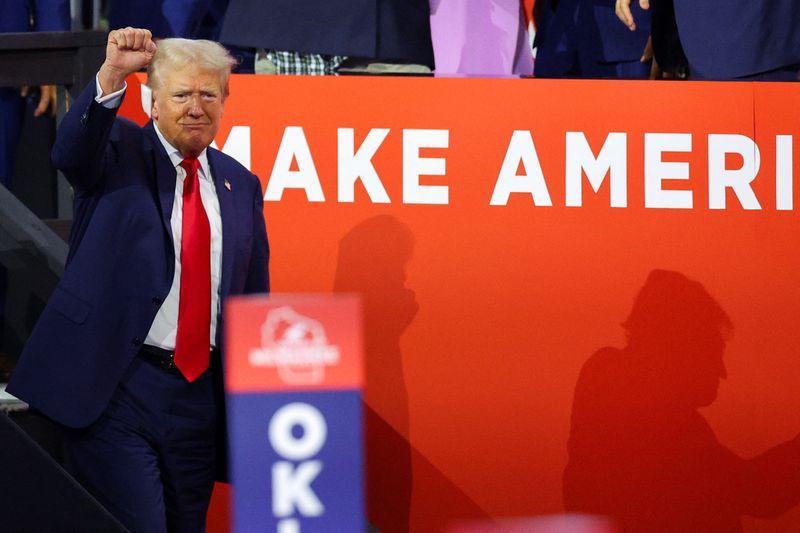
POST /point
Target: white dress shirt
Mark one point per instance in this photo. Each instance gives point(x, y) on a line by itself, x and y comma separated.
point(164, 329)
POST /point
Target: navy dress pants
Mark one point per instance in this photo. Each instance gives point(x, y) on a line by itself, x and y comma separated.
point(11, 109)
point(151, 457)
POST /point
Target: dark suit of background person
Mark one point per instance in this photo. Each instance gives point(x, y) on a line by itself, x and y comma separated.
point(729, 39)
point(581, 39)
point(396, 30)
point(85, 365)
point(15, 17)
point(738, 39)
point(189, 19)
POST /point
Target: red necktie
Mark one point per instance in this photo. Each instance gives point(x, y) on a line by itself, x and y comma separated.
point(192, 344)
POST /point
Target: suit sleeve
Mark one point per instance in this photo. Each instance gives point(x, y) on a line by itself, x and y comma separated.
point(258, 271)
point(81, 141)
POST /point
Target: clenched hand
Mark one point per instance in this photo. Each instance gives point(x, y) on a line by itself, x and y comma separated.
point(127, 51)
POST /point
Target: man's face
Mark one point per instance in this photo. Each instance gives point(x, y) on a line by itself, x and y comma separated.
point(188, 107)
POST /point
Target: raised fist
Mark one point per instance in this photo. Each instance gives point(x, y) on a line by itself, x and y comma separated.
point(128, 50)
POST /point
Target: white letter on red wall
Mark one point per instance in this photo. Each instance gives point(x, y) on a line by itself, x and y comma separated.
point(294, 146)
point(721, 178)
point(415, 166)
point(784, 192)
point(656, 170)
point(355, 164)
point(521, 149)
point(612, 160)
point(237, 145)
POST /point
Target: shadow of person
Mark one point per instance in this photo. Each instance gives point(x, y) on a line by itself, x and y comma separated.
point(639, 450)
point(372, 262)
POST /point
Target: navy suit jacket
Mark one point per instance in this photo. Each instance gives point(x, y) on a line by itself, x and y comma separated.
point(377, 29)
point(121, 261)
point(725, 39)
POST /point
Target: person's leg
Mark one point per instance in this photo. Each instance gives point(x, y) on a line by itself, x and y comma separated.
point(11, 107)
point(151, 457)
point(188, 454)
point(632, 70)
point(556, 45)
point(116, 461)
point(620, 70)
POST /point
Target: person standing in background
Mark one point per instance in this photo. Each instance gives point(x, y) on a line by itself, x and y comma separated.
point(18, 16)
point(732, 40)
point(581, 39)
point(330, 36)
point(481, 38)
point(187, 19)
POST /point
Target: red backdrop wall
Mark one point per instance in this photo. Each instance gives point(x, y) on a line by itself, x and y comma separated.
point(479, 318)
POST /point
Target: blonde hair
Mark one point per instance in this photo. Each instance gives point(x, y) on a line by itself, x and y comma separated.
point(177, 53)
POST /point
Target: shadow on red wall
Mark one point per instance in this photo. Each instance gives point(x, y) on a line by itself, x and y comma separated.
point(372, 262)
point(639, 450)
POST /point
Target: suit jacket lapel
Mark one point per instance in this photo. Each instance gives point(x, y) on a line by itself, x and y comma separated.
point(165, 178)
point(227, 215)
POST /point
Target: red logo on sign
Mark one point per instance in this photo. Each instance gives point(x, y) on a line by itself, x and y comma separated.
point(290, 342)
point(296, 346)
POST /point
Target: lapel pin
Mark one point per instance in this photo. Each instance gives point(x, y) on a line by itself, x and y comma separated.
point(227, 184)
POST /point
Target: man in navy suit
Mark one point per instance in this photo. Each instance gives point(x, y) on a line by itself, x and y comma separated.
point(734, 40)
point(582, 39)
point(126, 353)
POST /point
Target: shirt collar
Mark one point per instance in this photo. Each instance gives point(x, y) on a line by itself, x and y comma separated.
point(175, 155)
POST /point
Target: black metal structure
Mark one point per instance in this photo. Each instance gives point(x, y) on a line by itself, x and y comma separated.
point(32, 259)
point(38, 495)
point(70, 59)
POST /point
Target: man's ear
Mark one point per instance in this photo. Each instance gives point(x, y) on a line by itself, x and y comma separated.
point(153, 107)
